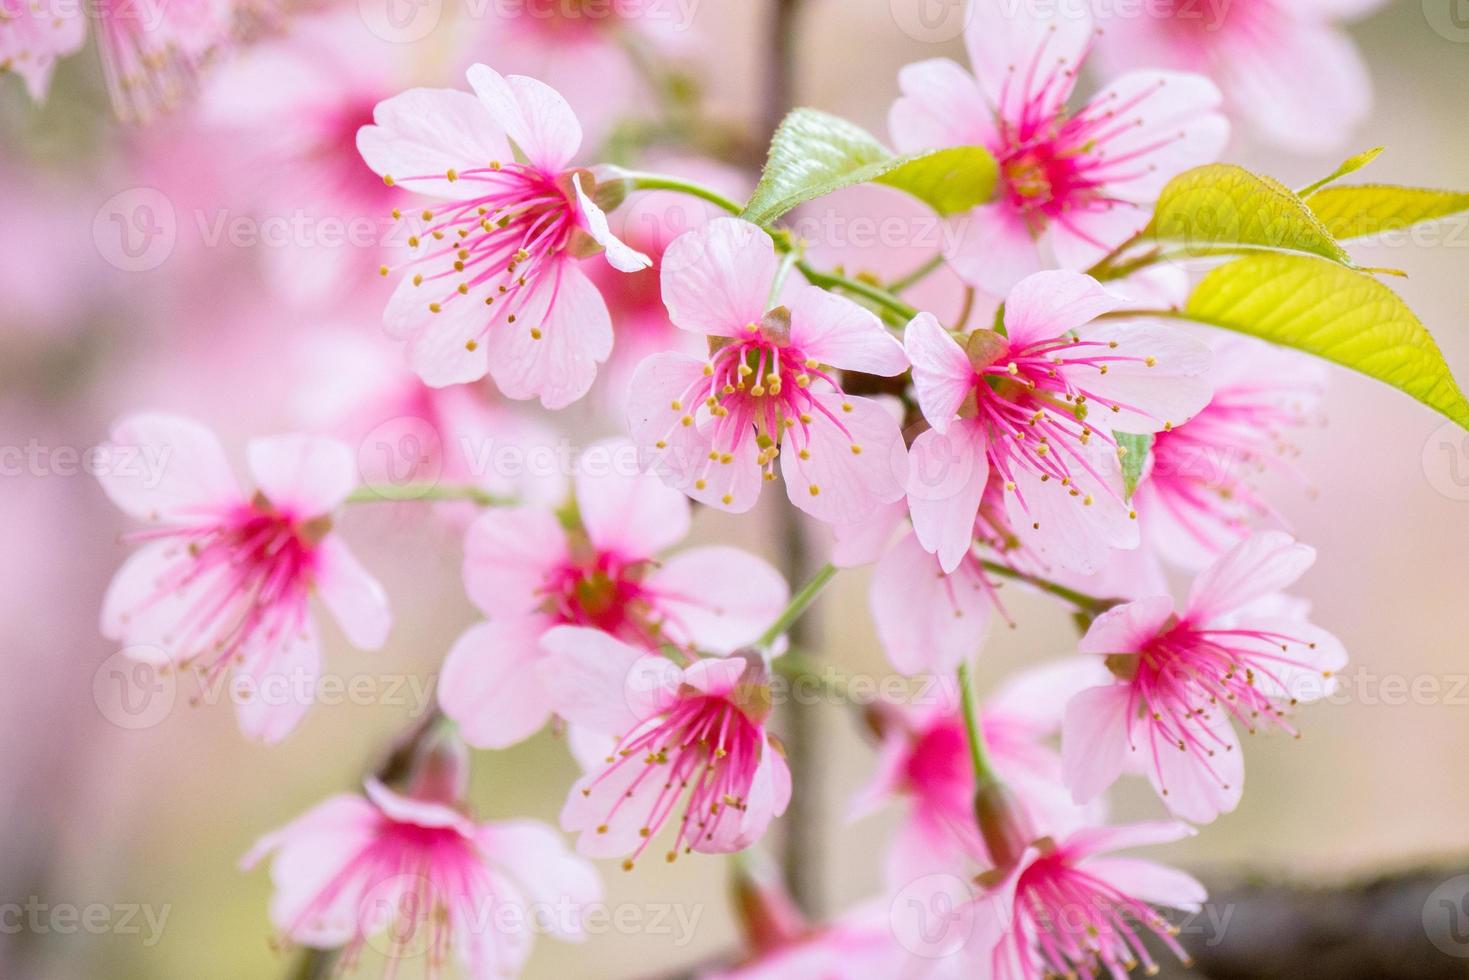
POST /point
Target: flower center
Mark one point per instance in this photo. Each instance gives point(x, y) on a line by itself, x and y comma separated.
point(607, 594)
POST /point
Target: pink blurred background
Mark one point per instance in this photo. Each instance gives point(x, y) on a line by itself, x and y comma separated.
point(148, 804)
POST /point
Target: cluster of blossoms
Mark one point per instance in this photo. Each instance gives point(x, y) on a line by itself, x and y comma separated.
point(950, 456)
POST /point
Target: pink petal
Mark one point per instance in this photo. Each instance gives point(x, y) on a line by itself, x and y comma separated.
point(535, 855)
point(1165, 393)
point(836, 482)
point(717, 598)
point(1196, 787)
point(1315, 658)
point(278, 678)
point(1169, 122)
point(992, 248)
point(1048, 304)
point(1124, 837)
point(1304, 85)
point(357, 600)
point(836, 331)
point(1094, 746)
point(1036, 699)
point(532, 114)
point(1081, 237)
point(489, 684)
point(1127, 628)
point(508, 552)
point(714, 676)
point(768, 797)
point(306, 476)
point(601, 683)
point(1064, 529)
point(941, 106)
point(560, 336)
point(426, 132)
point(942, 374)
point(716, 279)
point(679, 453)
point(620, 256)
point(867, 540)
point(634, 515)
point(1263, 563)
point(946, 480)
point(1026, 53)
point(404, 809)
point(928, 622)
point(158, 465)
point(438, 348)
point(134, 613)
point(1150, 882)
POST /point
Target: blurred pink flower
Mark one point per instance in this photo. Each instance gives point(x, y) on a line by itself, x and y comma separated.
point(1072, 186)
point(35, 34)
point(1285, 66)
point(153, 50)
point(224, 579)
point(527, 574)
point(1068, 909)
point(495, 286)
point(714, 426)
point(924, 762)
point(694, 734)
point(1026, 407)
point(1196, 500)
point(857, 945)
point(416, 871)
point(1238, 652)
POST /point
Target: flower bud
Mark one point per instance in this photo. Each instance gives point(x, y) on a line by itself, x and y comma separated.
point(1003, 823)
point(440, 769)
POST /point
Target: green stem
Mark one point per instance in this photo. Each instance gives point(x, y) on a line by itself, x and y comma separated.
point(878, 295)
point(799, 603)
point(984, 770)
point(414, 492)
point(917, 275)
point(661, 182)
point(1086, 603)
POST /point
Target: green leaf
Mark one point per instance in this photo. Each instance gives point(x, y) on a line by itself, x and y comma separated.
point(1374, 209)
point(1136, 456)
point(1349, 166)
point(1346, 317)
point(1222, 208)
point(815, 153)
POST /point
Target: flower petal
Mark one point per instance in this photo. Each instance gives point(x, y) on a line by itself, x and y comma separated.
point(622, 257)
point(508, 553)
point(946, 480)
point(1094, 746)
point(836, 331)
point(1048, 304)
point(941, 106)
point(357, 600)
point(532, 113)
point(853, 460)
point(563, 331)
point(927, 621)
point(1127, 628)
point(634, 515)
point(717, 598)
point(489, 684)
point(1261, 564)
point(942, 374)
point(601, 683)
point(716, 279)
point(425, 133)
point(305, 475)
point(158, 465)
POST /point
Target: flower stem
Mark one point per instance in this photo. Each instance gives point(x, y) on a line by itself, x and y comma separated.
point(413, 492)
point(984, 770)
point(917, 275)
point(662, 182)
point(1081, 600)
point(799, 603)
point(878, 295)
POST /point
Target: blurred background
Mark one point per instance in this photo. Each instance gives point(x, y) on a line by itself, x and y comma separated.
point(221, 262)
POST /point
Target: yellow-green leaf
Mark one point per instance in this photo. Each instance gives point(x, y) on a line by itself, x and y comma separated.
point(815, 153)
point(1343, 316)
point(1349, 166)
point(1222, 208)
point(1373, 209)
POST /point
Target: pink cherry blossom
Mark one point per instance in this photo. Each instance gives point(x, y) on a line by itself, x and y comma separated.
point(493, 284)
point(36, 33)
point(1285, 66)
point(224, 577)
point(1072, 186)
point(1036, 407)
point(528, 575)
point(713, 427)
point(1197, 499)
point(924, 761)
point(690, 738)
point(153, 50)
point(413, 875)
point(1071, 909)
point(1236, 653)
point(858, 944)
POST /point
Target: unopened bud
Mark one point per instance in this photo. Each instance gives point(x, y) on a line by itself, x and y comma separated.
point(440, 769)
point(1003, 824)
point(767, 915)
